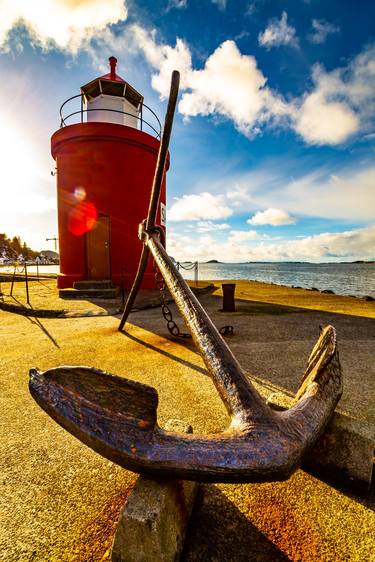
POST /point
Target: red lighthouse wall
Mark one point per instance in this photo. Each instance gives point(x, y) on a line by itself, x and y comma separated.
point(106, 170)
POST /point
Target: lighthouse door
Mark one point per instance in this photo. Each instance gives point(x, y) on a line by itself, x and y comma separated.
point(97, 246)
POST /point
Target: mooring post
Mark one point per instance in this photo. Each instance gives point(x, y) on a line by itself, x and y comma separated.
point(228, 297)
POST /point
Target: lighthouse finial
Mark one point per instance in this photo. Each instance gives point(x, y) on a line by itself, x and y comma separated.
point(112, 64)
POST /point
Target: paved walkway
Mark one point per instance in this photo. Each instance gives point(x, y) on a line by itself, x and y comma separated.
point(60, 501)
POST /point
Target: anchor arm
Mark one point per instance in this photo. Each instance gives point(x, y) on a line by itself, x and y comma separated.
point(118, 418)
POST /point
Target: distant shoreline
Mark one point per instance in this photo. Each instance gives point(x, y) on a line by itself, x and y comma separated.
point(296, 297)
point(351, 278)
point(280, 262)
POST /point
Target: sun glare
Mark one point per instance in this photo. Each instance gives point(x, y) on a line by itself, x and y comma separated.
point(82, 218)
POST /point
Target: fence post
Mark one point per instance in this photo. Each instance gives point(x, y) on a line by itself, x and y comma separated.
point(27, 284)
point(14, 274)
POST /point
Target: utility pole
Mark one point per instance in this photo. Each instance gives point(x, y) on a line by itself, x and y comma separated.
point(55, 239)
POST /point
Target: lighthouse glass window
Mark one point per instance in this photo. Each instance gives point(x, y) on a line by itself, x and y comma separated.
point(112, 109)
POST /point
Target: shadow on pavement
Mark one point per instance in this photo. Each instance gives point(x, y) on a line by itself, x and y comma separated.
point(220, 532)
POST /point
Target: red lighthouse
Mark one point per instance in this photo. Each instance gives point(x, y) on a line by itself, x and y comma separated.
point(105, 165)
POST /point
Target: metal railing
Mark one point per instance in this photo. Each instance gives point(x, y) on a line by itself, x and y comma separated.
point(189, 267)
point(155, 128)
point(21, 270)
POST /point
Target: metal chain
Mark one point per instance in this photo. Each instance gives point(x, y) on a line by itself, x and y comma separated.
point(173, 329)
point(227, 330)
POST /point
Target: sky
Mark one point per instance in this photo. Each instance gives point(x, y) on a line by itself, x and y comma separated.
point(273, 145)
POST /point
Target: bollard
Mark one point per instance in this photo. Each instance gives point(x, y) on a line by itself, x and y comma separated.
point(228, 297)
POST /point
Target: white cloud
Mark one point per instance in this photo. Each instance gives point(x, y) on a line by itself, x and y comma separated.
point(222, 4)
point(197, 207)
point(277, 33)
point(239, 195)
point(210, 93)
point(321, 30)
point(348, 245)
point(65, 24)
point(178, 4)
point(353, 84)
point(238, 236)
point(28, 194)
point(336, 108)
point(349, 194)
point(341, 103)
point(351, 244)
point(275, 217)
point(253, 7)
point(247, 102)
point(320, 121)
point(345, 193)
point(163, 58)
point(209, 226)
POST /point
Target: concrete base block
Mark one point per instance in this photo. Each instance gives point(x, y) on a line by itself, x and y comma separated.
point(344, 452)
point(153, 524)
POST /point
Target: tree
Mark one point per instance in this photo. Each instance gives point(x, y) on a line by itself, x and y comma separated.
point(16, 245)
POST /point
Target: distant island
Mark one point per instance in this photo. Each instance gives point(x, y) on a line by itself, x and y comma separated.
point(213, 261)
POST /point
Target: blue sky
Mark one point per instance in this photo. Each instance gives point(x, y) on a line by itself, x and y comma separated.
point(273, 144)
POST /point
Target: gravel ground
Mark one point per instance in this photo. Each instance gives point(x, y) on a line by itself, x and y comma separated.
point(60, 501)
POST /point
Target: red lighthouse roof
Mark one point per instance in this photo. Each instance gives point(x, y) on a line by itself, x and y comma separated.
point(112, 84)
point(112, 74)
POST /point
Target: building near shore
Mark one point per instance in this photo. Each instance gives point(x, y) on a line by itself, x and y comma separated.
point(105, 152)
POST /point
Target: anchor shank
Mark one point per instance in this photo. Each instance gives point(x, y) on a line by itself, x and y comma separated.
point(238, 394)
point(163, 151)
point(155, 193)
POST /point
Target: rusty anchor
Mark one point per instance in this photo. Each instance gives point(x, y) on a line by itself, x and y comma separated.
point(118, 417)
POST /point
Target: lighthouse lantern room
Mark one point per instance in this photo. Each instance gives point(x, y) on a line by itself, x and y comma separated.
point(105, 165)
point(111, 99)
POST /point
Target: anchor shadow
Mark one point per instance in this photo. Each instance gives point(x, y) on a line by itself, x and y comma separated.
point(219, 531)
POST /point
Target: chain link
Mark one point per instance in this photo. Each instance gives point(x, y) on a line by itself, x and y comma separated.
point(173, 329)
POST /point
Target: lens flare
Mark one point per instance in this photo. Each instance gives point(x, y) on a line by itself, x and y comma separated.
point(79, 193)
point(82, 218)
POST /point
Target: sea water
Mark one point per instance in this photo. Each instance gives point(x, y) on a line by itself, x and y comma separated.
point(343, 278)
